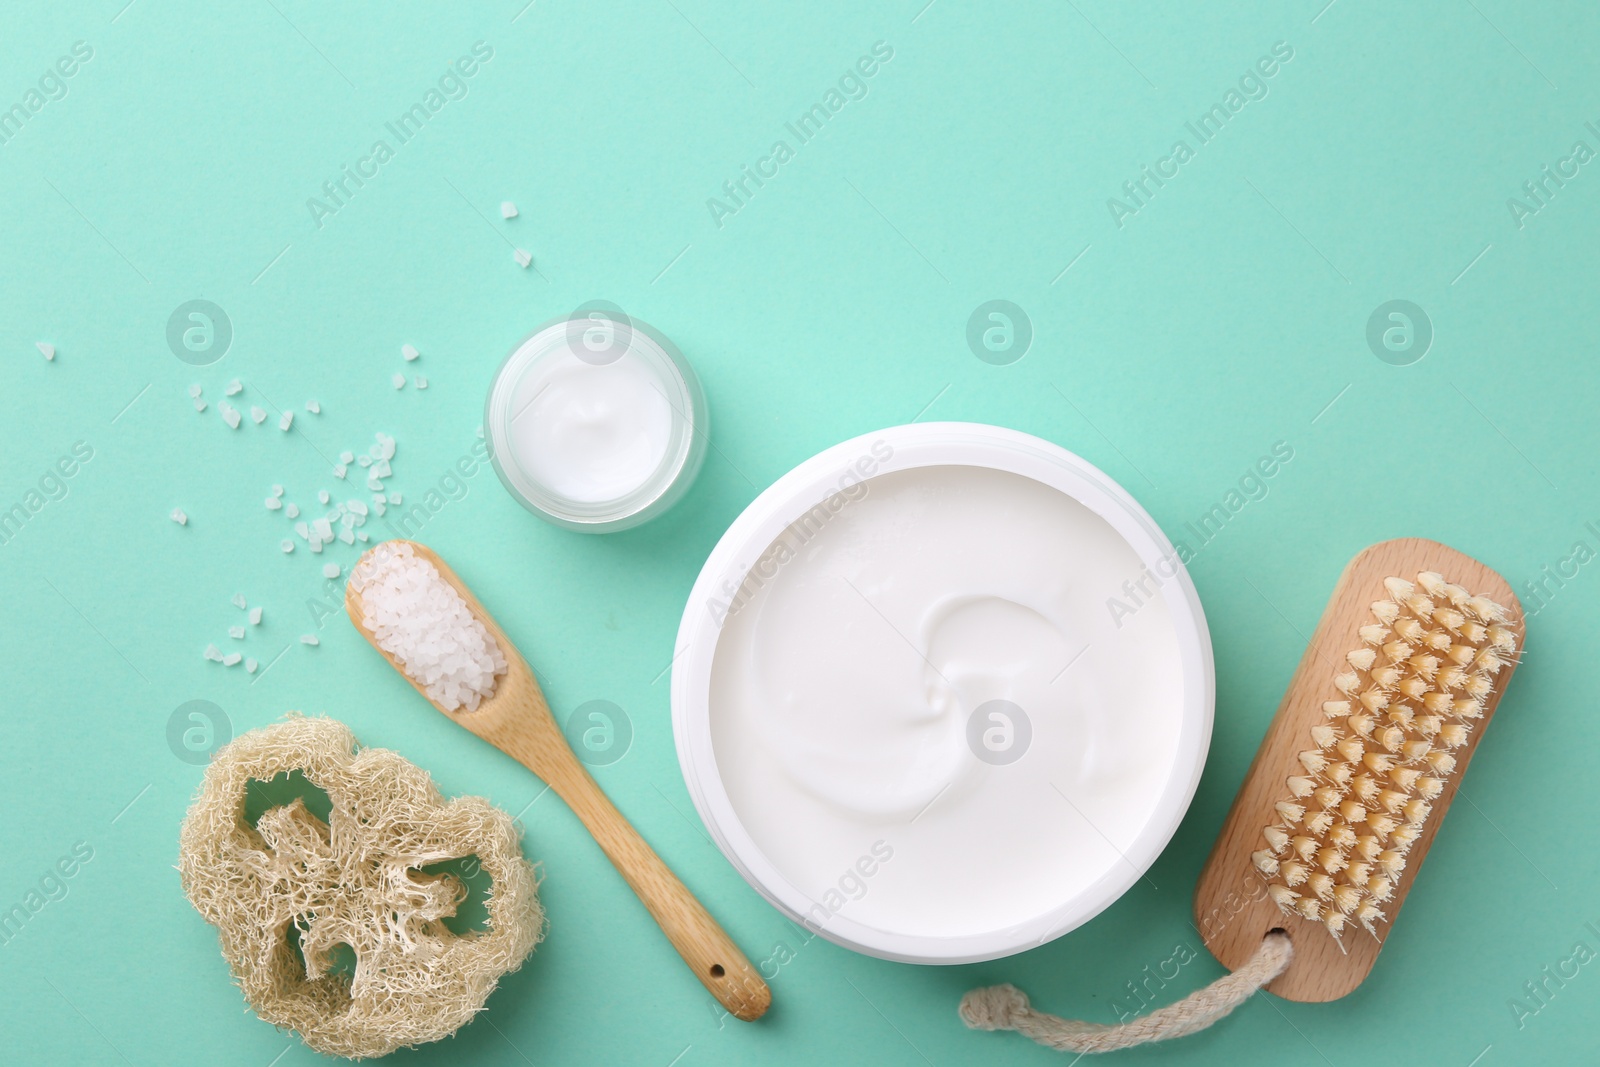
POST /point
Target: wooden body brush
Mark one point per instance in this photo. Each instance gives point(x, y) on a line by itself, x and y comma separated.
point(1344, 798)
point(515, 719)
point(1359, 767)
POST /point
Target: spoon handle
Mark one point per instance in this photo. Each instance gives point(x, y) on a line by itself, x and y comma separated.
point(703, 944)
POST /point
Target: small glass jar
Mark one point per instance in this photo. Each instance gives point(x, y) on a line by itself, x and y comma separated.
point(596, 422)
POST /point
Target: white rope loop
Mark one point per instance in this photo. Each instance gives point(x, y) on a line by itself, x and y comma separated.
point(1005, 1007)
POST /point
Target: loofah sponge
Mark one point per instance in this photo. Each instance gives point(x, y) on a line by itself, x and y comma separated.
point(356, 880)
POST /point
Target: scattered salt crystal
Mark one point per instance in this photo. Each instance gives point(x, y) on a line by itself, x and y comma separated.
point(508, 210)
point(330, 570)
point(324, 529)
point(286, 420)
point(302, 529)
point(523, 259)
point(347, 457)
point(421, 382)
point(292, 510)
point(340, 471)
point(199, 405)
point(236, 632)
point(365, 460)
point(346, 536)
point(309, 639)
point(394, 498)
point(286, 544)
point(381, 468)
point(315, 546)
point(357, 507)
point(409, 352)
point(258, 414)
point(361, 535)
point(231, 659)
point(399, 380)
point(373, 483)
point(422, 621)
point(229, 414)
point(179, 517)
point(214, 653)
point(273, 503)
point(48, 351)
point(194, 390)
point(251, 665)
point(377, 505)
point(384, 449)
point(277, 490)
point(322, 495)
point(239, 601)
point(233, 388)
point(255, 616)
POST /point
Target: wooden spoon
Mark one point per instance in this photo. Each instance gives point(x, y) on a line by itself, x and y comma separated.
point(516, 720)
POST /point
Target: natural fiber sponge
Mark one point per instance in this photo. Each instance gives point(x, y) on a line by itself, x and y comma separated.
point(356, 880)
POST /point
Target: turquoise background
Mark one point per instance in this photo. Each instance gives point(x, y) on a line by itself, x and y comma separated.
point(1227, 314)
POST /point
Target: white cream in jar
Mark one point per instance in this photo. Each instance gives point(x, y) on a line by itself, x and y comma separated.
point(596, 422)
point(863, 709)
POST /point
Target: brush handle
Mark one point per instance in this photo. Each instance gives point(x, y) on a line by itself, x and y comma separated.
point(708, 950)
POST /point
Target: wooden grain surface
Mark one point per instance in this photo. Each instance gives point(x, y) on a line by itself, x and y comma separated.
point(1232, 910)
point(517, 720)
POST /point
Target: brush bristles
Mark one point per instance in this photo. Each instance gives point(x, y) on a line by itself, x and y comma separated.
point(1360, 798)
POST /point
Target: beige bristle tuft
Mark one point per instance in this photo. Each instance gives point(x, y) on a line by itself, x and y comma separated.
point(1294, 873)
point(1375, 700)
point(1364, 788)
point(1339, 774)
point(1429, 788)
point(1438, 640)
point(1320, 823)
point(1391, 738)
point(1313, 762)
point(1438, 703)
point(1300, 787)
point(1331, 860)
point(1304, 847)
point(1346, 897)
point(1485, 609)
point(1479, 687)
point(1265, 862)
point(1429, 726)
point(1362, 724)
point(1402, 715)
point(1359, 873)
point(1391, 863)
point(1399, 588)
point(1432, 583)
point(1441, 762)
point(1277, 839)
point(1467, 708)
point(1387, 677)
point(1461, 655)
point(1309, 908)
point(1290, 812)
point(1405, 777)
point(1410, 629)
point(1392, 801)
point(1333, 709)
point(1412, 751)
point(1452, 678)
point(1454, 735)
point(1502, 638)
point(1425, 666)
point(1398, 651)
point(1328, 796)
point(1414, 688)
point(1334, 920)
point(1343, 838)
point(1282, 896)
point(1347, 683)
point(1382, 825)
point(1381, 889)
point(1369, 915)
point(1404, 837)
point(1321, 885)
point(1377, 762)
point(1373, 633)
point(1367, 848)
point(1420, 606)
point(1323, 735)
point(1385, 611)
point(1488, 661)
point(1362, 659)
point(1353, 812)
point(1474, 632)
point(1450, 619)
point(1351, 750)
point(1417, 811)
